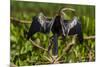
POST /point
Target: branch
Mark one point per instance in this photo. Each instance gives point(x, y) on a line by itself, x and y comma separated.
point(38, 46)
point(19, 21)
point(49, 59)
point(89, 37)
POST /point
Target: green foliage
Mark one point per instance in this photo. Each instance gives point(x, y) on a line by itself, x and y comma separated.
point(22, 51)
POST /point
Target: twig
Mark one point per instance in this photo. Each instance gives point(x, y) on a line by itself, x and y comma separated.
point(19, 21)
point(38, 46)
point(49, 59)
point(89, 37)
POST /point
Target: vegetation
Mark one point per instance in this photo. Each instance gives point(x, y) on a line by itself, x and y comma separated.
point(27, 52)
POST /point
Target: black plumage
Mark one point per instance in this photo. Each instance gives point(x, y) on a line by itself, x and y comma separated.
point(64, 28)
point(40, 24)
point(35, 27)
point(74, 27)
point(58, 26)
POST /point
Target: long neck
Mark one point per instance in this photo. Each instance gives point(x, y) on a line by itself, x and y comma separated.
point(57, 25)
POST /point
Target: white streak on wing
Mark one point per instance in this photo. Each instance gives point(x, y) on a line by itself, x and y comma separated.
point(41, 19)
point(73, 23)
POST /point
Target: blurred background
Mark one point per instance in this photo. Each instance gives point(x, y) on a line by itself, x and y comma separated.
point(23, 53)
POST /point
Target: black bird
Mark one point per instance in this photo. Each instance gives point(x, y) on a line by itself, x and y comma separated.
point(64, 28)
point(67, 27)
point(58, 26)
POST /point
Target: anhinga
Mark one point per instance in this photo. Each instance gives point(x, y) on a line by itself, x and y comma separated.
point(58, 26)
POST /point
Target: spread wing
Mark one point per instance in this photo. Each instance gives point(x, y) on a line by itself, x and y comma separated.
point(35, 27)
point(74, 27)
point(40, 23)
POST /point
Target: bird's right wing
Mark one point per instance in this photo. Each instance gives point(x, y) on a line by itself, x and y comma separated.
point(35, 27)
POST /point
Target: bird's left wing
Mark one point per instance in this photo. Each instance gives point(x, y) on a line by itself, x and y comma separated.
point(74, 27)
